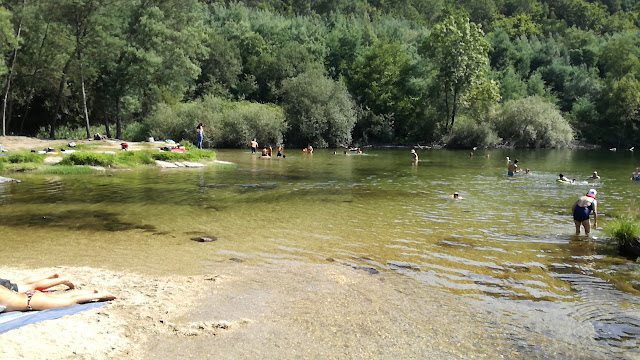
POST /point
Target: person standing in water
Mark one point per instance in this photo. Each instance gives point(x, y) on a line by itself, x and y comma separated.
point(512, 169)
point(254, 146)
point(279, 150)
point(199, 135)
point(415, 155)
point(582, 209)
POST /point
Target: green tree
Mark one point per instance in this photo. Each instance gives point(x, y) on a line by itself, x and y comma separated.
point(459, 53)
point(319, 110)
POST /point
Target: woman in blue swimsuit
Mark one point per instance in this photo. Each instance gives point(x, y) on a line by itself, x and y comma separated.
point(582, 209)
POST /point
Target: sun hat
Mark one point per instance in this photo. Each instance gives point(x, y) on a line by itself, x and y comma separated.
point(593, 193)
point(412, 150)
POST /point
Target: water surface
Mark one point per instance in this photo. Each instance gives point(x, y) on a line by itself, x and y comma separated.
point(507, 246)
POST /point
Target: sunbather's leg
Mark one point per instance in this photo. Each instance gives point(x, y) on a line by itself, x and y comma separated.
point(43, 283)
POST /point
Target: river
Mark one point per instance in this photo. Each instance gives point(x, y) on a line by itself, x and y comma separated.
point(507, 247)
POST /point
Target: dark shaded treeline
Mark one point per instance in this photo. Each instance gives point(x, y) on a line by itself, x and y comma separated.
point(327, 72)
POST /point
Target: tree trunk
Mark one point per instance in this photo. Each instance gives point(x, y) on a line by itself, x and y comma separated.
point(63, 80)
point(118, 120)
point(84, 97)
point(446, 104)
point(9, 75)
point(454, 108)
point(33, 79)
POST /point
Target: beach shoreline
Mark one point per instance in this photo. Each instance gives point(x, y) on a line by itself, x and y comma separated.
point(145, 308)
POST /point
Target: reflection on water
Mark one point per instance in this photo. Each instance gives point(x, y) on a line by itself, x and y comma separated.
point(507, 244)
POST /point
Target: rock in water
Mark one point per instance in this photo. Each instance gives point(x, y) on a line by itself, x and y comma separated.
point(205, 238)
point(4, 180)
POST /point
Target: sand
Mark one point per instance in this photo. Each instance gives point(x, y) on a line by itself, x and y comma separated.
point(15, 143)
point(144, 309)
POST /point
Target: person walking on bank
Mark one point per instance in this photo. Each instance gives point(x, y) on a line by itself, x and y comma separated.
point(199, 135)
point(582, 209)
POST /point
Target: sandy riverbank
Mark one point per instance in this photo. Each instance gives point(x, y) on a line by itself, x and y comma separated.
point(143, 310)
point(16, 143)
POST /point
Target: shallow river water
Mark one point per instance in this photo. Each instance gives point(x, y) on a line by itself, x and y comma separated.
point(507, 247)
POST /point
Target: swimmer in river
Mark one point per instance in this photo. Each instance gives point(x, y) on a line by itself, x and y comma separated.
point(595, 176)
point(561, 177)
point(636, 174)
point(527, 172)
point(512, 169)
point(415, 155)
point(279, 150)
point(254, 146)
point(456, 195)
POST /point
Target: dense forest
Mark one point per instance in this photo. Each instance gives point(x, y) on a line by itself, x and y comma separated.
point(523, 73)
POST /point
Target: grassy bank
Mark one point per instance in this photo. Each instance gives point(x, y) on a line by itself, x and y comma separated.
point(29, 161)
point(625, 230)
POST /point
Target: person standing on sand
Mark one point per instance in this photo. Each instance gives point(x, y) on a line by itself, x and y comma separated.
point(254, 146)
point(512, 169)
point(582, 209)
point(199, 135)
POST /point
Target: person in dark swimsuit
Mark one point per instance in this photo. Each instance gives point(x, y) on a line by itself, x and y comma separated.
point(582, 209)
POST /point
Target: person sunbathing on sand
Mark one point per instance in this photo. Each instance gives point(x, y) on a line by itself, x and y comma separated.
point(36, 300)
point(36, 283)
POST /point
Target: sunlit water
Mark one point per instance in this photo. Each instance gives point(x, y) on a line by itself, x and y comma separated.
point(508, 244)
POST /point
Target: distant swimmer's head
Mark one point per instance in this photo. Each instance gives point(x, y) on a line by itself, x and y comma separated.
point(515, 161)
point(595, 173)
point(560, 175)
point(456, 195)
point(592, 193)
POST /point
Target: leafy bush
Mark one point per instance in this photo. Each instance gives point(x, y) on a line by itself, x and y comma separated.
point(624, 229)
point(532, 122)
point(468, 133)
point(319, 110)
point(227, 124)
point(135, 131)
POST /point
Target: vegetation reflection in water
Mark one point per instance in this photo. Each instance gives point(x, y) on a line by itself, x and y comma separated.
point(508, 239)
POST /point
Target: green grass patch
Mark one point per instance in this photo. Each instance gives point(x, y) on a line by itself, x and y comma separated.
point(67, 170)
point(23, 157)
point(134, 158)
point(624, 229)
point(89, 158)
point(191, 155)
point(22, 167)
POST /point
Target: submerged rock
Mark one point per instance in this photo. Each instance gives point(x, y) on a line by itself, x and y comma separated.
point(4, 180)
point(631, 248)
point(205, 238)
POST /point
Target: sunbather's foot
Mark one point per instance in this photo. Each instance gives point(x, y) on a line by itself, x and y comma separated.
point(105, 296)
point(69, 284)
